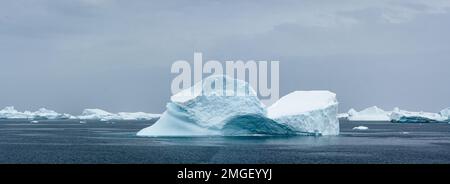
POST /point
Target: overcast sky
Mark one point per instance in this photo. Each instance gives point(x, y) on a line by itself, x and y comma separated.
point(116, 54)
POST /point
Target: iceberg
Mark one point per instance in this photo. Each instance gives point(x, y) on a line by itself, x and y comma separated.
point(97, 114)
point(44, 113)
point(204, 110)
point(88, 114)
point(223, 106)
point(361, 128)
point(342, 116)
point(307, 111)
point(102, 115)
point(398, 116)
point(369, 114)
point(402, 116)
point(137, 116)
point(11, 113)
point(41, 114)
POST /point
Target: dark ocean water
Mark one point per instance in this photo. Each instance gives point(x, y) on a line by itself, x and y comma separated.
point(115, 142)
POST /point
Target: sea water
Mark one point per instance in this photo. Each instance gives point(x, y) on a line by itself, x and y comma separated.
point(70, 141)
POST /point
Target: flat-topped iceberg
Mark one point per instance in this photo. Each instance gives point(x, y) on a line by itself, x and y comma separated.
point(222, 106)
point(402, 116)
point(369, 114)
point(307, 111)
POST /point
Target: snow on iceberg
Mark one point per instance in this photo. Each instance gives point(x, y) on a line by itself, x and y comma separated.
point(307, 111)
point(402, 116)
point(369, 114)
point(232, 108)
point(98, 114)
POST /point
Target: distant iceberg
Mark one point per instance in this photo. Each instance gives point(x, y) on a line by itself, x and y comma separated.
point(98, 114)
point(397, 115)
point(360, 128)
point(11, 113)
point(342, 116)
point(369, 114)
point(88, 114)
point(224, 110)
point(402, 116)
point(42, 114)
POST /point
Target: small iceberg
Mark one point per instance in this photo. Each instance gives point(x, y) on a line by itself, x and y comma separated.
point(342, 116)
point(361, 128)
point(369, 114)
point(402, 116)
point(222, 106)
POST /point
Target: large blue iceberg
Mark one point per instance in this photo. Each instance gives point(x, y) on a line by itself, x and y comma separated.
point(223, 106)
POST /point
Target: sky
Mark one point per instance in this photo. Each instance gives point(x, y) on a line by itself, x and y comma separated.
point(116, 54)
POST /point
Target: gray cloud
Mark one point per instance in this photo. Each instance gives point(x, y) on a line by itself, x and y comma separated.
point(116, 55)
